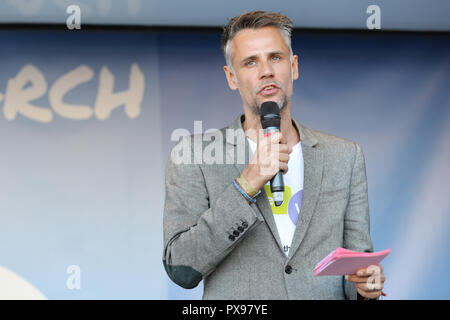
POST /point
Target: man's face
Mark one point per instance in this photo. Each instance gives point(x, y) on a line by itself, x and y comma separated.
point(263, 70)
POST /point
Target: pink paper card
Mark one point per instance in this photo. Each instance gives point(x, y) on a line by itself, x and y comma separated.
point(342, 262)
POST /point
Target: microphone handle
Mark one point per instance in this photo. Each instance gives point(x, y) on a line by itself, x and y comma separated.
point(277, 181)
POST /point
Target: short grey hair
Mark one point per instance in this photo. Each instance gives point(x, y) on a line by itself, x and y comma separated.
point(255, 20)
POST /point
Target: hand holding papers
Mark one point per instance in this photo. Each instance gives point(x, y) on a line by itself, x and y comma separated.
point(343, 262)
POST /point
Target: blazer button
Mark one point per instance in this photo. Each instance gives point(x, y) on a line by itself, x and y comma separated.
point(240, 229)
point(231, 237)
point(288, 269)
point(236, 233)
point(245, 224)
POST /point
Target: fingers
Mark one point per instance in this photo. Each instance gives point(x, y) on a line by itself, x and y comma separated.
point(356, 279)
point(272, 138)
point(283, 157)
point(370, 270)
point(376, 268)
point(277, 137)
point(369, 290)
point(282, 139)
point(284, 167)
point(370, 286)
point(368, 281)
point(271, 146)
point(272, 154)
point(278, 143)
point(369, 294)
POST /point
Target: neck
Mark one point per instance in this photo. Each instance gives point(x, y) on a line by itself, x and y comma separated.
point(252, 125)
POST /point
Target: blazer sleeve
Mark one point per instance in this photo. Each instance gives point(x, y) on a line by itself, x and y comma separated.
point(198, 235)
point(357, 220)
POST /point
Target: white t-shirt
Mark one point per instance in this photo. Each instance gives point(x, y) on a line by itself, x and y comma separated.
point(286, 215)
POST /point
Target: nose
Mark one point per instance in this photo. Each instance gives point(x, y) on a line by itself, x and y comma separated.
point(265, 70)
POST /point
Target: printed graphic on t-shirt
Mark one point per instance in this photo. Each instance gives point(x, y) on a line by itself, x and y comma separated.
point(286, 216)
point(291, 204)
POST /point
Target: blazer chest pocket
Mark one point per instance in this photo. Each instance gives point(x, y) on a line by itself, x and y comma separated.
point(327, 196)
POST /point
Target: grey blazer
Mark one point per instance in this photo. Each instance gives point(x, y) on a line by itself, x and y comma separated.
point(212, 234)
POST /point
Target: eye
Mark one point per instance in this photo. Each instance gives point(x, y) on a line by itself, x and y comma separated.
point(276, 58)
point(250, 63)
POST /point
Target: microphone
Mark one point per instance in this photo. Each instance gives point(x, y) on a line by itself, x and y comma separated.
point(270, 121)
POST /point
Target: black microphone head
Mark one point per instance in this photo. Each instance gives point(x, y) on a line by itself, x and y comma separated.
point(270, 115)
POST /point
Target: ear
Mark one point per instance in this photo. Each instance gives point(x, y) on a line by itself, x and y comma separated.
point(232, 82)
point(294, 67)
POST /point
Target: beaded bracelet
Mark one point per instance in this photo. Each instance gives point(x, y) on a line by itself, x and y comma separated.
point(243, 192)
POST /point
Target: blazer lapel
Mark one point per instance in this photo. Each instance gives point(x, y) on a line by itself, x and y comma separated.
point(313, 171)
point(262, 201)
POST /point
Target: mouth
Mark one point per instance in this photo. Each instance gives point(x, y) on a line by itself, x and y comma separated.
point(269, 89)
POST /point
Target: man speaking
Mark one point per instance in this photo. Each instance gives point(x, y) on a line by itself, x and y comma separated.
point(245, 229)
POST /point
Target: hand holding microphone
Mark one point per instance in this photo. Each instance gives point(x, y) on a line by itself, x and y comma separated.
point(271, 156)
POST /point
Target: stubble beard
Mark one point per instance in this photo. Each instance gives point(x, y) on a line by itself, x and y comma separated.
point(255, 106)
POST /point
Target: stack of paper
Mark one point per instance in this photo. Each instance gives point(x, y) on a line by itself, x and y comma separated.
point(342, 262)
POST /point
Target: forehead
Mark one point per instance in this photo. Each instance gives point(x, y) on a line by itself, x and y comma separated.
point(258, 41)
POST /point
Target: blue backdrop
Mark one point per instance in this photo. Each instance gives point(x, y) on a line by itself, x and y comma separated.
point(89, 192)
